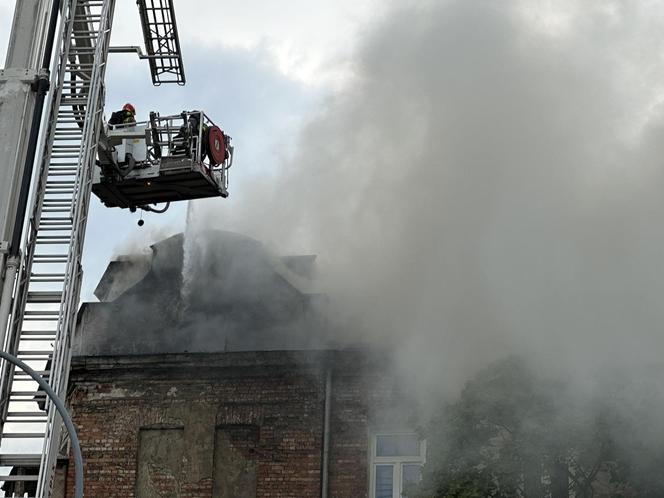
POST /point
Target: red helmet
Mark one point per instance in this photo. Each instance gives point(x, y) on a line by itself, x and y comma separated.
point(129, 107)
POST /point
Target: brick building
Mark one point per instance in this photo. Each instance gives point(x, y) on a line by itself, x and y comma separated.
point(234, 388)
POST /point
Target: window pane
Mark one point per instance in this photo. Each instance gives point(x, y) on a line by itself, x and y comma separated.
point(411, 475)
point(384, 483)
point(397, 445)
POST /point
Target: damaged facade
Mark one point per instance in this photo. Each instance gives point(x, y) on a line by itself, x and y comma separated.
point(223, 381)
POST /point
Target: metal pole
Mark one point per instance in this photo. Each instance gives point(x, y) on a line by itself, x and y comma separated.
point(62, 410)
point(324, 484)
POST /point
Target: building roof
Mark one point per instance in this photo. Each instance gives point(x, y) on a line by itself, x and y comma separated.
point(213, 291)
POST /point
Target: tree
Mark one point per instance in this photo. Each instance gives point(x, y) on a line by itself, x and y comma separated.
point(513, 433)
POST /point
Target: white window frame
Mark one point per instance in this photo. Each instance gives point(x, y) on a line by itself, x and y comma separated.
point(397, 462)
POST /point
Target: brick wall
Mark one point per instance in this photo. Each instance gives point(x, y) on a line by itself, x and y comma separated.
point(221, 425)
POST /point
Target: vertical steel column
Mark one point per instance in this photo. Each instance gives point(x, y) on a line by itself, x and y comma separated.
point(325, 460)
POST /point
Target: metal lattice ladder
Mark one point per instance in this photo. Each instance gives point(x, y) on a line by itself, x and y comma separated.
point(47, 294)
point(162, 44)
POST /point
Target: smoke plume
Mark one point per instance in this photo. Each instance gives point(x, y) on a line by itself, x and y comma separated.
point(489, 183)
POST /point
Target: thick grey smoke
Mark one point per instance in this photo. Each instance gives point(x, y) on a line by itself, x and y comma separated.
point(489, 183)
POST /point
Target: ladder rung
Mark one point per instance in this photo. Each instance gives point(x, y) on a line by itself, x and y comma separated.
point(24, 414)
point(70, 136)
point(18, 478)
point(77, 89)
point(21, 435)
point(52, 237)
point(44, 373)
point(49, 333)
point(53, 198)
point(27, 393)
point(54, 228)
point(35, 339)
point(73, 101)
point(20, 460)
point(54, 223)
point(44, 296)
point(27, 421)
point(56, 210)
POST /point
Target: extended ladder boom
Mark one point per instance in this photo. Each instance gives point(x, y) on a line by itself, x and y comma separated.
point(47, 295)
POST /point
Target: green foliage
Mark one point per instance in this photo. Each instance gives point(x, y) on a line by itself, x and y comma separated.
point(512, 433)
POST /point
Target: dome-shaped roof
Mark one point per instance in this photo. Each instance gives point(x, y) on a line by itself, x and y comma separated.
point(206, 291)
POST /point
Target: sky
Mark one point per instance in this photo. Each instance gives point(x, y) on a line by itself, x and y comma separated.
point(258, 69)
point(477, 178)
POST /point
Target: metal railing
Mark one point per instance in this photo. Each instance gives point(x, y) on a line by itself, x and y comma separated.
point(182, 137)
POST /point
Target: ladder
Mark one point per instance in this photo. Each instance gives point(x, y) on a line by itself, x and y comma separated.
point(48, 283)
point(162, 43)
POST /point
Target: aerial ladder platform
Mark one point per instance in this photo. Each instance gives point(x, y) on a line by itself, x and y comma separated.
point(166, 159)
point(137, 166)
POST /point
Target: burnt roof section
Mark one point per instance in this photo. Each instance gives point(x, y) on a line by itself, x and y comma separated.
point(212, 292)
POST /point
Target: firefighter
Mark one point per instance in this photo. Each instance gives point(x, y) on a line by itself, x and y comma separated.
point(124, 116)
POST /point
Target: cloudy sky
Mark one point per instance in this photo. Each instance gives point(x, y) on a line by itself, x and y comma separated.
point(478, 177)
point(259, 69)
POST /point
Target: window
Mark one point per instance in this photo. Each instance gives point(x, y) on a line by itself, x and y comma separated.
point(396, 462)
